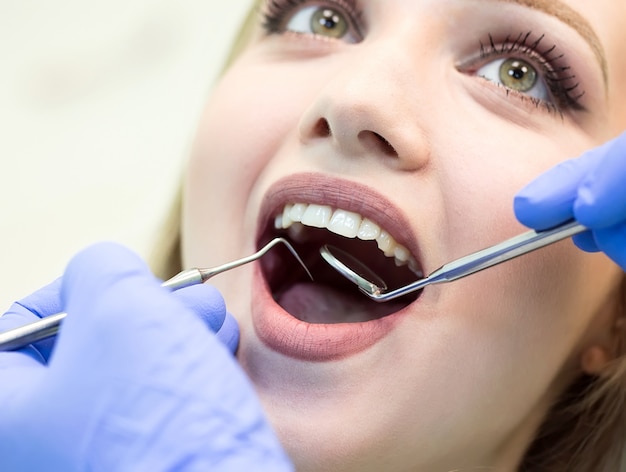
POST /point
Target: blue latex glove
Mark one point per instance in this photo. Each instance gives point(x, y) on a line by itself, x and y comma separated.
point(590, 189)
point(135, 381)
point(47, 301)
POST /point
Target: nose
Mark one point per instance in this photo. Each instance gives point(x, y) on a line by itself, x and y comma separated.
point(370, 108)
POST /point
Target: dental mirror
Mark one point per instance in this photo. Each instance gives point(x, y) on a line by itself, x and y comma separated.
point(375, 288)
point(354, 270)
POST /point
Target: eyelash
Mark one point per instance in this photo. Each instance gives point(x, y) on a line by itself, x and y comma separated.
point(553, 69)
point(563, 84)
point(276, 13)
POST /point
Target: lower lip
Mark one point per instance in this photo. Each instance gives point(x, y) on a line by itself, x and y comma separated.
point(291, 337)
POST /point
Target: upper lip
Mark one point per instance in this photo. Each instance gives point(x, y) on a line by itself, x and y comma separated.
point(338, 193)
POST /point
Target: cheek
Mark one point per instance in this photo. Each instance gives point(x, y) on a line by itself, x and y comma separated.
point(537, 313)
point(243, 126)
point(509, 339)
point(496, 347)
point(253, 110)
point(533, 311)
point(487, 161)
point(236, 138)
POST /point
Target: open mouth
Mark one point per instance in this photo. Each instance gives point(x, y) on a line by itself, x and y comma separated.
point(330, 298)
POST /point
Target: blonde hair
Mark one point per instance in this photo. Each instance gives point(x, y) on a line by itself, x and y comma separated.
point(586, 428)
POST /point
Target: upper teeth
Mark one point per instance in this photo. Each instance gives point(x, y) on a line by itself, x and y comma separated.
point(344, 223)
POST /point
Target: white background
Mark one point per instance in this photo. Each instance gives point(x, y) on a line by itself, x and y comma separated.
point(98, 106)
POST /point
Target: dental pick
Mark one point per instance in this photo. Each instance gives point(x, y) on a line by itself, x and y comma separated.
point(22, 336)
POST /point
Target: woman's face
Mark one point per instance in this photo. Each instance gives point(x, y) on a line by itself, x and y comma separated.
point(424, 117)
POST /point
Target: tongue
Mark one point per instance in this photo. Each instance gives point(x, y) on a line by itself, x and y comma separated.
point(316, 303)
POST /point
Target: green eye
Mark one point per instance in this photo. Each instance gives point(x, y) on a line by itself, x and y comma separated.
point(518, 75)
point(322, 21)
point(329, 22)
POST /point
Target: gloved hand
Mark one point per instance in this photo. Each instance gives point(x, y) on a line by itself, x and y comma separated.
point(47, 301)
point(590, 189)
point(135, 381)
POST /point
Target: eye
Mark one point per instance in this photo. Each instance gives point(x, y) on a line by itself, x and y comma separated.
point(336, 19)
point(319, 20)
point(517, 75)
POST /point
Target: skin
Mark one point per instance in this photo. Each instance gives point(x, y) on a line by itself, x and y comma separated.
point(466, 375)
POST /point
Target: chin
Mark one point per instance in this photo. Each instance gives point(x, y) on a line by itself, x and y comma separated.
point(311, 347)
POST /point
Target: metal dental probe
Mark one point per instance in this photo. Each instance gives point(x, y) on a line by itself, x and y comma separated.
point(22, 336)
point(364, 277)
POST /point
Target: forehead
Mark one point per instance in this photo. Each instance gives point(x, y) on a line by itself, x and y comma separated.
point(608, 20)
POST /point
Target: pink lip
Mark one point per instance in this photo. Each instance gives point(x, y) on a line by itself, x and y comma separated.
point(289, 336)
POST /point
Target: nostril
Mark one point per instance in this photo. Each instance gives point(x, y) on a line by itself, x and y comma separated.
point(322, 129)
point(371, 138)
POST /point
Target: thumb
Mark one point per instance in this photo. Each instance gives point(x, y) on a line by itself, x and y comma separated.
point(206, 302)
point(116, 309)
point(549, 199)
point(601, 198)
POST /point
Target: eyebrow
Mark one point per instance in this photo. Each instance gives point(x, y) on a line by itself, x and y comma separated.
point(573, 19)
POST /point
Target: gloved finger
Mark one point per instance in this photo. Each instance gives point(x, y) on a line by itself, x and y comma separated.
point(601, 200)
point(229, 333)
point(116, 305)
point(612, 242)
point(206, 302)
point(548, 200)
point(44, 302)
point(586, 241)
